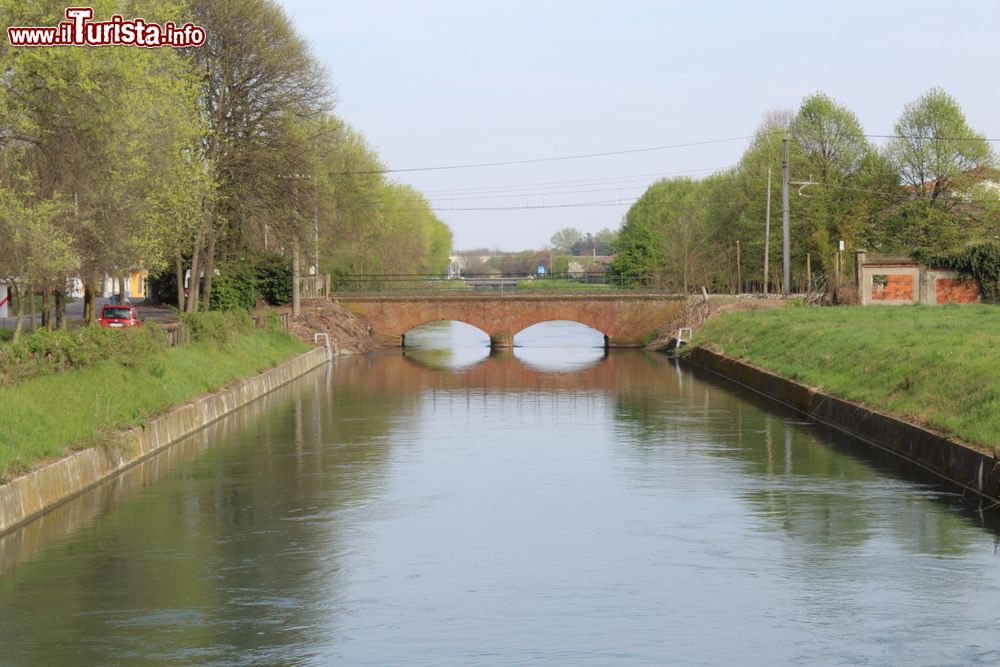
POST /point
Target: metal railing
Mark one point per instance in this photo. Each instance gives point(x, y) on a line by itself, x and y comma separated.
point(494, 283)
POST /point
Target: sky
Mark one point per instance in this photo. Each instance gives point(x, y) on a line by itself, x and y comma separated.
point(446, 82)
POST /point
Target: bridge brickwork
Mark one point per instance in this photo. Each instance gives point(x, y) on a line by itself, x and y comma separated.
point(625, 320)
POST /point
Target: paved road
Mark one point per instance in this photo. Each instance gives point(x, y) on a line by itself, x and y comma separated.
point(74, 313)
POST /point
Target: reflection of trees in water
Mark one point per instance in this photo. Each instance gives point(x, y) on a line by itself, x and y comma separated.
point(439, 359)
point(824, 490)
point(242, 548)
point(194, 563)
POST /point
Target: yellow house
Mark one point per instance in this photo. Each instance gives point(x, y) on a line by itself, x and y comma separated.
point(136, 283)
point(133, 284)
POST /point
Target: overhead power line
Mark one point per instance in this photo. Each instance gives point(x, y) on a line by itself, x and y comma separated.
point(589, 204)
point(580, 156)
point(515, 195)
point(630, 151)
point(491, 189)
point(913, 136)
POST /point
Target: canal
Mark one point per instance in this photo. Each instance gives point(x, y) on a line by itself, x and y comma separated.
point(554, 505)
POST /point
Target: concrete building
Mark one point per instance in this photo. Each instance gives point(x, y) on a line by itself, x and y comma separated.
point(900, 279)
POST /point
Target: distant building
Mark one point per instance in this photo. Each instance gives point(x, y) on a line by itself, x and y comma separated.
point(132, 286)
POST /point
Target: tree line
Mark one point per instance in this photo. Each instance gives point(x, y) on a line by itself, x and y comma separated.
point(198, 159)
point(930, 188)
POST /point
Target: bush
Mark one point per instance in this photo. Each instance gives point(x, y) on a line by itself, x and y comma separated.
point(216, 327)
point(234, 290)
point(242, 280)
point(45, 353)
point(274, 278)
point(980, 260)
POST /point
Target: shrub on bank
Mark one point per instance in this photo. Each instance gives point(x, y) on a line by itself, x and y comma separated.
point(234, 290)
point(237, 285)
point(45, 417)
point(979, 260)
point(45, 352)
point(216, 327)
point(274, 278)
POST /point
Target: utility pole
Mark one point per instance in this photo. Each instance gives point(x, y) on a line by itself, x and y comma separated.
point(296, 267)
point(739, 275)
point(767, 232)
point(785, 225)
point(296, 273)
point(315, 235)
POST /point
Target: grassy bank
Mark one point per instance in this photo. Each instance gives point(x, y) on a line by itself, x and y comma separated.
point(934, 365)
point(559, 284)
point(46, 417)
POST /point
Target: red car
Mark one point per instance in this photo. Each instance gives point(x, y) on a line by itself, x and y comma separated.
point(117, 317)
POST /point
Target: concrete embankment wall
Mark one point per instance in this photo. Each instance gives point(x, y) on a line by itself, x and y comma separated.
point(35, 493)
point(962, 465)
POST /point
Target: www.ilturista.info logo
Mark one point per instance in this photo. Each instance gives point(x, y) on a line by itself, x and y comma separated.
point(79, 30)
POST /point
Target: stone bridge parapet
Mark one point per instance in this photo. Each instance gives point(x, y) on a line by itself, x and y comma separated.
point(626, 320)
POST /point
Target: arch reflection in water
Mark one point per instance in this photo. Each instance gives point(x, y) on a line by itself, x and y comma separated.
point(560, 346)
point(446, 344)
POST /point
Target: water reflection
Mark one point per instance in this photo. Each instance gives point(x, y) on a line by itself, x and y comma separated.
point(388, 510)
point(560, 346)
point(446, 344)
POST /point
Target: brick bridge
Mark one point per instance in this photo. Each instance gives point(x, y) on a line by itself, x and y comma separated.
point(624, 319)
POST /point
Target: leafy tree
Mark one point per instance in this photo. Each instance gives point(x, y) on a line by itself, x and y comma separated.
point(109, 129)
point(35, 245)
point(664, 238)
point(564, 240)
point(607, 239)
point(257, 73)
point(935, 146)
point(830, 149)
point(592, 244)
point(367, 223)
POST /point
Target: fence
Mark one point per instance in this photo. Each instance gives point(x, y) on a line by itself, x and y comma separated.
point(472, 284)
point(314, 287)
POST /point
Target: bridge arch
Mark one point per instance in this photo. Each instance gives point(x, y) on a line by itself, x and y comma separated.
point(541, 334)
point(505, 337)
point(403, 335)
point(625, 320)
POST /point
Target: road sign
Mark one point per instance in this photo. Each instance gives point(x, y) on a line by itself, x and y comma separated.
point(541, 270)
point(4, 299)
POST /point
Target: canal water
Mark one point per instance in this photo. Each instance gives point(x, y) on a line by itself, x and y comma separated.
point(554, 505)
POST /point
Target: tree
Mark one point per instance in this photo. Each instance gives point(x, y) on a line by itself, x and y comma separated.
point(35, 245)
point(606, 240)
point(564, 240)
point(831, 142)
point(256, 72)
point(368, 224)
point(664, 238)
point(740, 197)
point(934, 146)
point(831, 150)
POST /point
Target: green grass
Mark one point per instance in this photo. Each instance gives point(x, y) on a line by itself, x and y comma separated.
point(558, 284)
point(935, 365)
point(47, 417)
